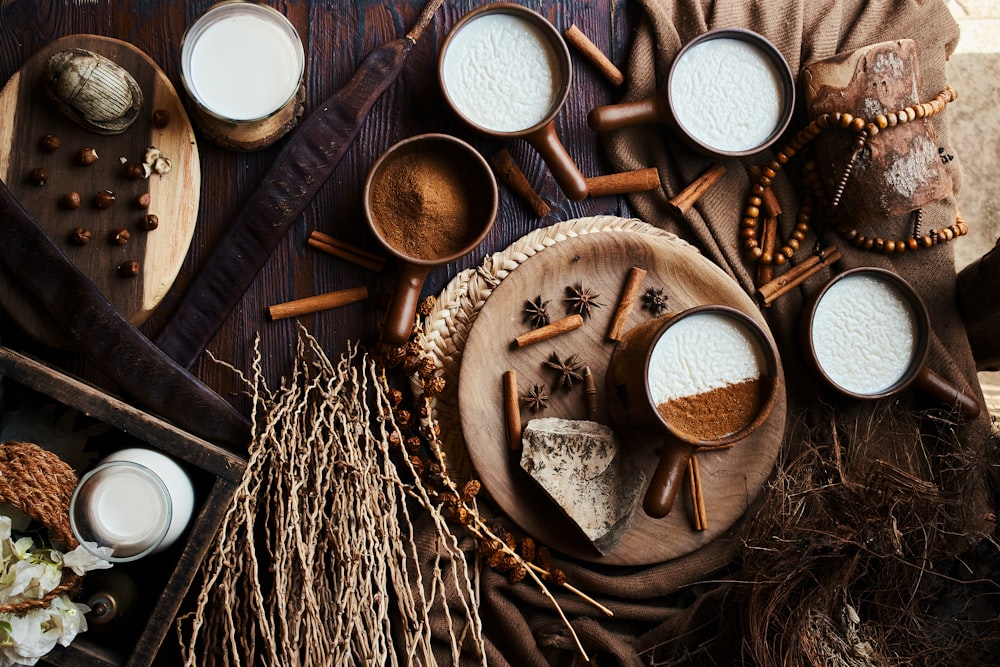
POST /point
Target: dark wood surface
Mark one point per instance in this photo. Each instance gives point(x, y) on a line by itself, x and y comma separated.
point(337, 35)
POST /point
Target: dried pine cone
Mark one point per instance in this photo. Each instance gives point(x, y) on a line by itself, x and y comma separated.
point(517, 574)
point(471, 490)
point(426, 367)
point(433, 386)
point(413, 444)
point(527, 549)
point(426, 305)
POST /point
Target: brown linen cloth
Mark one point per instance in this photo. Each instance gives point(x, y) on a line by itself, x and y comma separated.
point(665, 604)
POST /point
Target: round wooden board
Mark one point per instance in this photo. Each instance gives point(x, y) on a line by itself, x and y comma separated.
point(731, 478)
point(27, 114)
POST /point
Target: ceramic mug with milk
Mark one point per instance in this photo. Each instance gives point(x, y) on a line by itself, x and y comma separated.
point(706, 377)
point(136, 501)
point(867, 334)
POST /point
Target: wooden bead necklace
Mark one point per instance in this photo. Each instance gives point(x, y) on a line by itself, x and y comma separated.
point(814, 191)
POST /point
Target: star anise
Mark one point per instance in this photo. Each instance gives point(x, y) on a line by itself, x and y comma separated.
point(655, 301)
point(582, 300)
point(535, 312)
point(568, 370)
point(536, 398)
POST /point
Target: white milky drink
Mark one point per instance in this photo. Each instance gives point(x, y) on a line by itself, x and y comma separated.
point(127, 509)
point(242, 61)
point(864, 334)
point(702, 352)
point(727, 94)
point(501, 73)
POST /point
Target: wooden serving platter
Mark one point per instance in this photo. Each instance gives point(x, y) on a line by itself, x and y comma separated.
point(731, 478)
point(27, 114)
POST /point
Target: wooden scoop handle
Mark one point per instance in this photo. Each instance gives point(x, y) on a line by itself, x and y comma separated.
point(564, 170)
point(667, 479)
point(398, 323)
point(616, 116)
point(941, 389)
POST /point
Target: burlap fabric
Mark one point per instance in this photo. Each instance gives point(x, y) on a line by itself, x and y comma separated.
point(676, 604)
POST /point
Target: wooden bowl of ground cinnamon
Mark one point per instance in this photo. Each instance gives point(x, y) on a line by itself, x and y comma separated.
point(429, 200)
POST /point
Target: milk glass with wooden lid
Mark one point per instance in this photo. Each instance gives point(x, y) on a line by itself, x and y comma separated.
point(242, 66)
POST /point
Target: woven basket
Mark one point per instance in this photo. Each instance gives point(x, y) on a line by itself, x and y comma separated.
point(40, 484)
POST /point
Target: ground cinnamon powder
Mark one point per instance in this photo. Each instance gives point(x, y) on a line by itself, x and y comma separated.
point(420, 204)
point(717, 413)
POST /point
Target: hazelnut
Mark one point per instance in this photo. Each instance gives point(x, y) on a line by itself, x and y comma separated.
point(150, 222)
point(162, 166)
point(50, 143)
point(104, 199)
point(129, 269)
point(86, 156)
point(80, 236)
point(70, 200)
point(120, 236)
point(161, 118)
point(142, 200)
point(38, 176)
point(135, 171)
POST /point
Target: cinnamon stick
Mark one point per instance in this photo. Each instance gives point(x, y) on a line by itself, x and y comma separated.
point(512, 411)
point(793, 277)
point(577, 38)
point(566, 324)
point(626, 302)
point(771, 209)
point(507, 169)
point(682, 202)
point(697, 495)
point(624, 182)
point(590, 393)
point(337, 248)
point(313, 304)
point(769, 201)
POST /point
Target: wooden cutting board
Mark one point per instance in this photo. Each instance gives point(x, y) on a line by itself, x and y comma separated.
point(27, 114)
point(731, 478)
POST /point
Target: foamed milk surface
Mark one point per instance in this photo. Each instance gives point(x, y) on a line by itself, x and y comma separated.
point(727, 94)
point(501, 73)
point(699, 353)
point(864, 334)
point(244, 67)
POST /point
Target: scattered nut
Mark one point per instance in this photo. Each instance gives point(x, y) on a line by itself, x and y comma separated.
point(161, 118)
point(104, 199)
point(80, 236)
point(120, 236)
point(129, 269)
point(150, 222)
point(152, 154)
point(86, 156)
point(162, 166)
point(50, 143)
point(38, 176)
point(142, 200)
point(135, 171)
point(70, 200)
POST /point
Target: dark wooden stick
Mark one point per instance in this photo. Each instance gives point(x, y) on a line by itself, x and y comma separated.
point(346, 252)
point(796, 275)
point(590, 393)
point(624, 182)
point(512, 411)
point(503, 163)
point(314, 304)
point(686, 198)
point(577, 38)
point(626, 302)
point(697, 494)
point(296, 175)
point(557, 328)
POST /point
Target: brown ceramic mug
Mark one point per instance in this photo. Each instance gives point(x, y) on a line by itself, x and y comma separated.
point(467, 98)
point(866, 333)
point(470, 185)
point(706, 377)
point(663, 107)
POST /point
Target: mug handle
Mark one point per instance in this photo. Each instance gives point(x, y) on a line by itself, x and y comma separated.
point(946, 392)
point(545, 140)
point(398, 323)
point(667, 479)
point(616, 116)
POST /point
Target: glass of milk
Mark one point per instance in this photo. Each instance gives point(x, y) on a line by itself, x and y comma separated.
point(242, 65)
point(867, 334)
point(136, 501)
point(729, 92)
point(706, 377)
point(506, 71)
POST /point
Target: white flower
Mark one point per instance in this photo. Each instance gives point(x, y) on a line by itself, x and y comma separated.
point(32, 636)
point(80, 560)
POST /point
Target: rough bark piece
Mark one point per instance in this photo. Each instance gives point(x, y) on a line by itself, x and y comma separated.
point(580, 465)
point(900, 170)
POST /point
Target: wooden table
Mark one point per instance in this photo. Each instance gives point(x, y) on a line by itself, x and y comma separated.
point(336, 36)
